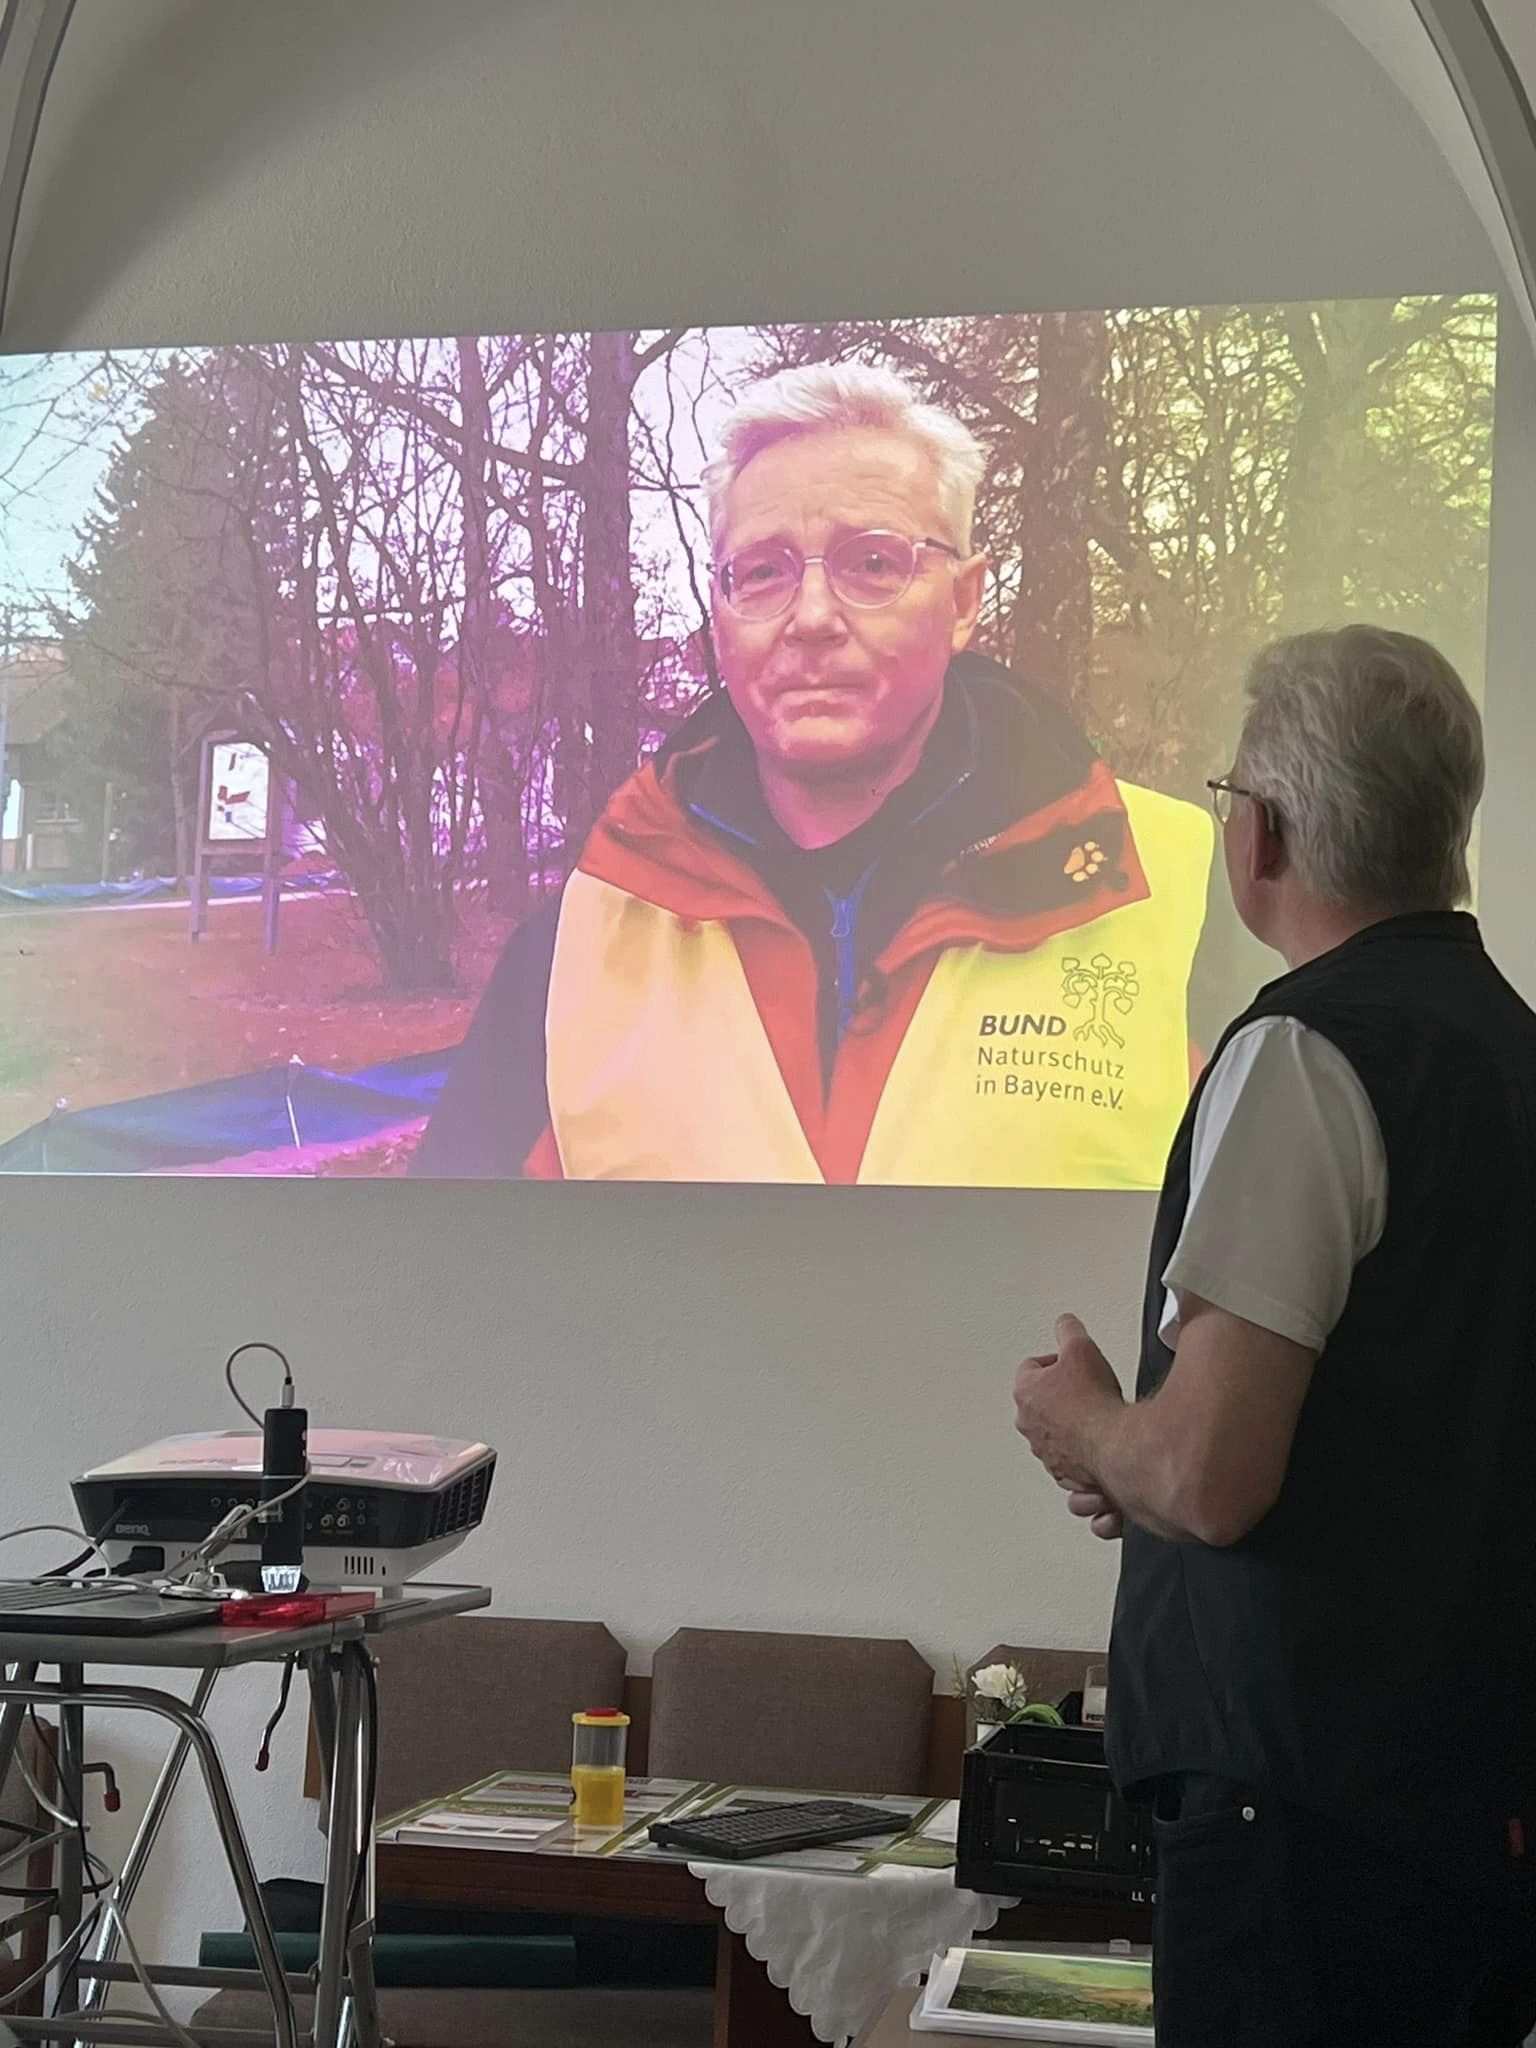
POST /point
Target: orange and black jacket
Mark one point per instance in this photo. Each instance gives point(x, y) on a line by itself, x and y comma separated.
point(986, 984)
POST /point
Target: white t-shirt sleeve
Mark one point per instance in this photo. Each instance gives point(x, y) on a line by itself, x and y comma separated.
point(1287, 1185)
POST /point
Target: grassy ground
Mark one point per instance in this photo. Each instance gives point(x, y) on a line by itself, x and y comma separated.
point(102, 1005)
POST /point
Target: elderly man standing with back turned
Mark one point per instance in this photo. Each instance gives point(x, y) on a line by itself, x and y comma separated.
point(1323, 1665)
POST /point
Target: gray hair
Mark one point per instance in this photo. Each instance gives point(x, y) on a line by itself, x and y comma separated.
point(1370, 749)
point(821, 397)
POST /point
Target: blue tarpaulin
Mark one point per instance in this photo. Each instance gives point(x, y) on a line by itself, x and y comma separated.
point(278, 1108)
point(71, 895)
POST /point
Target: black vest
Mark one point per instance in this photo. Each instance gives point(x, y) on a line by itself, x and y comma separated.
point(1372, 1643)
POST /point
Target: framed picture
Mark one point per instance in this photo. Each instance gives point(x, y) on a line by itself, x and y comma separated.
point(1100, 1999)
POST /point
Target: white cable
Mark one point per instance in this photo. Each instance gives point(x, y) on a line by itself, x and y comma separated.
point(33, 1845)
point(76, 1939)
point(48, 1805)
point(233, 1525)
point(69, 1821)
point(57, 1529)
point(257, 1511)
point(260, 1509)
point(62, 1956)
point(65, 1953)
point(229, 1375)
point(147, 1984)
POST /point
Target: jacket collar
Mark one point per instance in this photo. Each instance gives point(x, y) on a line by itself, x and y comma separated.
point(1435, 927)
point(1030, 809)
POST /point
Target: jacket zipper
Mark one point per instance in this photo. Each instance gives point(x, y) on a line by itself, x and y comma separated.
point(845, 937)
point(845, 909)
point(845, 920)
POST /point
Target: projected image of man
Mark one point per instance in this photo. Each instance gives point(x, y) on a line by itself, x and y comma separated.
point(877, 912)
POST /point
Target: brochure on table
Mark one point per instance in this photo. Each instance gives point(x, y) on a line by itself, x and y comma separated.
point(1067, 1995)
point(530, 1811)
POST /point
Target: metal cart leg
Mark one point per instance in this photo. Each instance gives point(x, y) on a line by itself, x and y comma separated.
point(343, 1729)
point(322, 1705)
point(72, 1866)
point(342, 1848)
point(74, 1698)
point(12, 1714)
point(93, 1990)
point(365, 2002)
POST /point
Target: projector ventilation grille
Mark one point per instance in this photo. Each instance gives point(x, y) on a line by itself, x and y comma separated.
point(461, 1505)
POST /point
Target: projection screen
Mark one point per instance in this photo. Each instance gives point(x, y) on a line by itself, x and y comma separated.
point(713, 754)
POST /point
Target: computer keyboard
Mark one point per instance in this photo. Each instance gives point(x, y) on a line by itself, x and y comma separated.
point(774, 1829)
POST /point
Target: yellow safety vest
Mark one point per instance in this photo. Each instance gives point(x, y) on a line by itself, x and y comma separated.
point(1066, 1066)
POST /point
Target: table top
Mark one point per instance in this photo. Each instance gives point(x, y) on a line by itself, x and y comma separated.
point(422, 1601)
point(207, 1647)
point(527, 1813)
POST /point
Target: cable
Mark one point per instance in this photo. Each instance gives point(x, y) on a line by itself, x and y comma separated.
point(63, 1571)
point(60, 1529)
point(104, 1901)
point(36, 1840)
point(92, 1922)
point(222, 1535)
point(62, 1956)
point(229, 1376)
point(147, 1983)
point(74, 1818)
point(71, 1945)
point(260, 1509)
point(108, 1528)
point(264, 1754)
point(103, 1890)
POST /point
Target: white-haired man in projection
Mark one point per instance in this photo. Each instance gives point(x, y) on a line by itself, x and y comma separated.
point(877, 912)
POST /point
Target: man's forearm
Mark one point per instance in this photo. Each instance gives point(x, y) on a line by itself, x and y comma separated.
point(1137, 1470)
point(1203, 1459)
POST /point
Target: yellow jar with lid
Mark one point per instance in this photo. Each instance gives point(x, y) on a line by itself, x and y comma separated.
point(598, 1739)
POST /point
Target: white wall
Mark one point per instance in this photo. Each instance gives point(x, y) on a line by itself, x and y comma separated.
point(764, 1408)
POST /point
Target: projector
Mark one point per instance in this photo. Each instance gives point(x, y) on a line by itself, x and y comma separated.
point(379, 1507)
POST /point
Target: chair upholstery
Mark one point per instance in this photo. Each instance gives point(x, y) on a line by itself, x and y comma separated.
point(483, 1693)
point(599, 2017)
point(829, 1713)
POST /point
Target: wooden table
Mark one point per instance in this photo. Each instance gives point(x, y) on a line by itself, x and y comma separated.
point(891, 2029)
point(750, 2010)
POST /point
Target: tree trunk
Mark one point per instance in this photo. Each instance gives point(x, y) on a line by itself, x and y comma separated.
point(414, 948)
point(1053, 618)
point(1338, 350)
point(484, 747)
point(609, 651)
point(180, 808)
point(391, 860)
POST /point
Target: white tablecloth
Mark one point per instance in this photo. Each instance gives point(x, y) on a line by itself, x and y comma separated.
point(841, 1946)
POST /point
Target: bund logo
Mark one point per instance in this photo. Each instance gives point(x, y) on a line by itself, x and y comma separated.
point(1104, 985)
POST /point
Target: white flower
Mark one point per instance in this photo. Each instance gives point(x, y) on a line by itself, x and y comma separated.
point(998, 1682)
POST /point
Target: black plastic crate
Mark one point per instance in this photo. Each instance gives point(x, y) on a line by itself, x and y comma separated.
point(1040, 1820)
